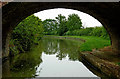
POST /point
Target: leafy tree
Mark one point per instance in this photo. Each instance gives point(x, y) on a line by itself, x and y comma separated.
point(50, 25)
point(62, 28)
point(27, 32)
point(74, 22)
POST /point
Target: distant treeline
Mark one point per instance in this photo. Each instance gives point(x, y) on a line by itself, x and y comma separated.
point(71, 26)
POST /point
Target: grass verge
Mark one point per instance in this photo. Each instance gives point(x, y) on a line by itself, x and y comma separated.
point(92, 42)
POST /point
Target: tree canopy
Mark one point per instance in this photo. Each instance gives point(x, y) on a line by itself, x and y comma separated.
point(74, 22)
point(62, 27)
point(50, 25)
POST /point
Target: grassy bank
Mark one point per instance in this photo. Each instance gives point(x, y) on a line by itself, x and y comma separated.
point(92, 42)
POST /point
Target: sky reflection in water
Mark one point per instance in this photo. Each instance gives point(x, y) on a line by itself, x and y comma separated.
point(54, 66)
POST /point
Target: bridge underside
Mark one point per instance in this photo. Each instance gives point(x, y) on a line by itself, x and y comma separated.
point(106, 13)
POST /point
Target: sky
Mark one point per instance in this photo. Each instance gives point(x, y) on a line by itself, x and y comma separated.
point(87, 20)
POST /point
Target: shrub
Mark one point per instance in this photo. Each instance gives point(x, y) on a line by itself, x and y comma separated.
point(90, 31)
point(80, 32)
point(96, 31)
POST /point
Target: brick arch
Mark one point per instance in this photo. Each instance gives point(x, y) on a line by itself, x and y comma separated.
point(106, 13)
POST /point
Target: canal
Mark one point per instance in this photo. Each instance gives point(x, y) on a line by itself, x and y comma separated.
point(51, 58)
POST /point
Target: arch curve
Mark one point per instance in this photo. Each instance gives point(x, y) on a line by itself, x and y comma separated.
point(106, 13)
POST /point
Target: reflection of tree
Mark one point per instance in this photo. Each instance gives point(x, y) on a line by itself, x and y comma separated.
point(70, 48)
point(61, 54)
point(24, 64)
point(50, 46)
point(62, 48)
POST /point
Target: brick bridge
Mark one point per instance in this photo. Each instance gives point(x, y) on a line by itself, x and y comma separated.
point(107, 13)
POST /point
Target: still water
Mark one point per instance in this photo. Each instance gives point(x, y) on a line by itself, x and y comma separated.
point(51, 58)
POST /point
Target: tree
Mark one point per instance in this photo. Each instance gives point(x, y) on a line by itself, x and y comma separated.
point(50, 26)
point(62, 28)
point(74, 22)
point(27, 32)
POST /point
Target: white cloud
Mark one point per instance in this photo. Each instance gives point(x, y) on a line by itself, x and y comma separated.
point(87, 20)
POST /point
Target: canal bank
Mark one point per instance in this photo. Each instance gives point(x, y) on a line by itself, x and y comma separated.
point(106, 67)
point(104, 60)
point(64, 37)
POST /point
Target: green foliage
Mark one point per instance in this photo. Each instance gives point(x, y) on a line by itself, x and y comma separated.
point(100, 32)
point(71, 26)
point(62, 27)
point(27, 32)
point(104, 33)
point(90, 31)
point(80, 32)
point(119, 63)
point(13, 48)
point(96, 31)
point(31, 29)
point(50, 26)
point(74, 22)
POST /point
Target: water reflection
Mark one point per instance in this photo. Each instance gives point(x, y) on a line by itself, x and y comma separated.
point(51, 58)
point(22, 65)
point(52, 67)
point(62, 48)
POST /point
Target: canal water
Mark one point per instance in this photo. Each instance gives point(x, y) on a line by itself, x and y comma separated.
point(51, 58)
